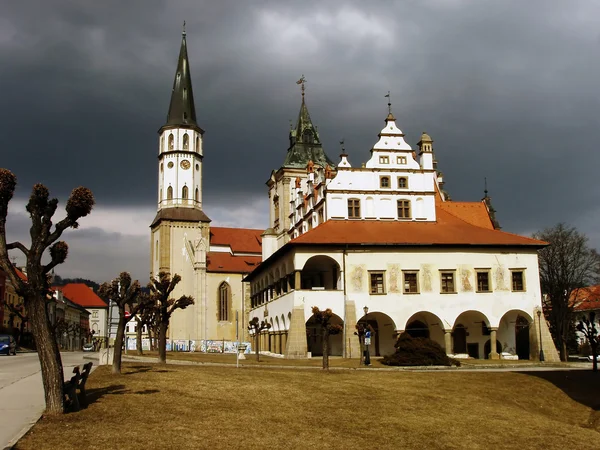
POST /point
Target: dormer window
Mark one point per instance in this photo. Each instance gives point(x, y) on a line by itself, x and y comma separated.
point(401, 160)
point(308, 137)
point(384, 160)
point(384, 182)
point(402, 183)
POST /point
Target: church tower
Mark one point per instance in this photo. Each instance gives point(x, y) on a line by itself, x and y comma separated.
point(180, 229)
point(305, 147)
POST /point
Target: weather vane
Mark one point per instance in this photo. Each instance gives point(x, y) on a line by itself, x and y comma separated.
point(301, 81)
point(183, 28)
point(388, 96)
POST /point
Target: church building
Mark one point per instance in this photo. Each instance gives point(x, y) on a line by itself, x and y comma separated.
point(212, 261)
point(380, 244)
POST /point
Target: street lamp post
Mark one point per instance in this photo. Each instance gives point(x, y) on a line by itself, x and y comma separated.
point(539, 314)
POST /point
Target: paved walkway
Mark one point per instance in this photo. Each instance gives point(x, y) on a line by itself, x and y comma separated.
point(22, 393)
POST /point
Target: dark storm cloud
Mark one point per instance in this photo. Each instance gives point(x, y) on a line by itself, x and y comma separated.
point(508, 91)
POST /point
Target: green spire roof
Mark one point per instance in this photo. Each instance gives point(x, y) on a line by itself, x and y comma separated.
point(305, 143)
point(182, 112)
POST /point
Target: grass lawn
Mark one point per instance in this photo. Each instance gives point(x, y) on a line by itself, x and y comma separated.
point(180, 407)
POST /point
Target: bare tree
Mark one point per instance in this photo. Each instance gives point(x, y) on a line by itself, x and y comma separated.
point(566, 265)
point(587, 326)
point(323, 318)
point(17, 310)
point(128, 297)
point(146, 317)
point(44, 236)
point(161, 289)
point(256, 327)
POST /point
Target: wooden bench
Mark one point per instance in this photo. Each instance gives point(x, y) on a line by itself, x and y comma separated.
point(73, 401)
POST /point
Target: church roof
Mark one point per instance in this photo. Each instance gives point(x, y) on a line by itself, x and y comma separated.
point(241, 240)
point(222, 262)
point(180, 215)
point(182, 112)
point(586, 299)
point(448, 230)
point(305, 143)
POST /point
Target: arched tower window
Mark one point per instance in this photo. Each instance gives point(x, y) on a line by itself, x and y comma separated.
point(186, 141)
point(307, 136)
point(197, 195)
point(197, 147)
point(162, 144)
point(184, 192)
point(224, 301)
point(160, 196)
point(171, 141)
point(170, 193)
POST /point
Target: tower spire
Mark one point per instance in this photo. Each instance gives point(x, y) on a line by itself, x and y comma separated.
point(301, 82)
point(390, 116)
point(182, 111)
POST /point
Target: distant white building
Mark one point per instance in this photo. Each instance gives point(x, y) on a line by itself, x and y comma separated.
point(383, 244)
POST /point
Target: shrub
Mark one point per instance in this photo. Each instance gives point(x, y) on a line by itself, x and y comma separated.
point(418, 352)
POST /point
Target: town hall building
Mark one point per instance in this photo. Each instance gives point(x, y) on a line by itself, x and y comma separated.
point(381, 244)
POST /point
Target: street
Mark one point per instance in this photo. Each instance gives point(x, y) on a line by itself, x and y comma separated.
point(22, 393)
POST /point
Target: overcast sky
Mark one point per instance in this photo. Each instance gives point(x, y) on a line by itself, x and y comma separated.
point(508, 90)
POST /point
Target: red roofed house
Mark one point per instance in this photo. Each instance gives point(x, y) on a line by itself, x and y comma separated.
point(383, 244)
point(84, 296)
point(586, 300)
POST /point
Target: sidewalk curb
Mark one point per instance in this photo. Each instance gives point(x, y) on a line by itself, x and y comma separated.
point(22, 433)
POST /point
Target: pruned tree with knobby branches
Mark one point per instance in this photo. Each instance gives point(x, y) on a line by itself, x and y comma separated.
point(566, 265)
point(587, 327)
point(161, 289)
point(128, 297)
point(323, 318)
point(45, 237)
point(256, 326)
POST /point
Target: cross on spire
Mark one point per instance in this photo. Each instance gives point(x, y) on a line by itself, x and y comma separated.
point(301, 82)
point(183, 32)
point(388, 96)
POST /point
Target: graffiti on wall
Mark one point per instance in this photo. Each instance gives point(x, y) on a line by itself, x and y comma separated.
point(356, 278)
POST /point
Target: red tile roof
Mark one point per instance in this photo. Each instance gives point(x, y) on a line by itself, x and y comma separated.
point(227, 263)
point(447, 230)
point(241, 240)
point(587, 299)
point(475, 213)
point(81, 294)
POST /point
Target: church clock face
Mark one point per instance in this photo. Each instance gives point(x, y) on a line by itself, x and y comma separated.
point(185, 164)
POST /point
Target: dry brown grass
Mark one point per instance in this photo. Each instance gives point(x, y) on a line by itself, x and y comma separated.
point(179, 407)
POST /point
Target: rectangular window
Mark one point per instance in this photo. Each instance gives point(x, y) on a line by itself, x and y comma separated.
point(403, 209)
point(518, 281)
point(411, 283)
point(384, 160)
point(384, 182)
point(447, 282)
point(402, 183)
point(401, 160)
point(353, 208)
point(377, 282)
point(483, 281)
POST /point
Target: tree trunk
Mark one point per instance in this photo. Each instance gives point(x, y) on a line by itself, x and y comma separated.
point(162, 342)
point(563, 350)
point(594, 357)
point(118, 349)
point(151, 338)
point(325, 349)
point(48, 354)
point(138, 337)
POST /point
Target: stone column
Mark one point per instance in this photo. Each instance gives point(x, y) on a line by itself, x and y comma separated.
point(298, 280)
point(351, 346)
point(278, 342)
point(296, 339)
point(448, 341)
point(283, 341)
point(493, 353)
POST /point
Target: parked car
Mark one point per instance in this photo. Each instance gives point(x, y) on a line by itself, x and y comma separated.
point(7, 344)
point(89, 347)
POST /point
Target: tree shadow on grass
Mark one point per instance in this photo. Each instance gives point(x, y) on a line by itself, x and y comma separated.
point(583, 386)
point(137, 369)
point(93, 395)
